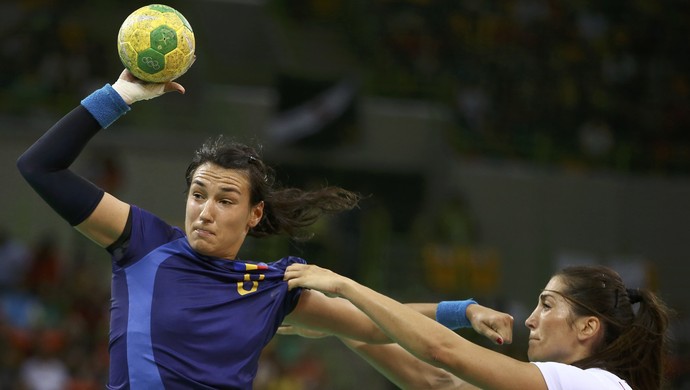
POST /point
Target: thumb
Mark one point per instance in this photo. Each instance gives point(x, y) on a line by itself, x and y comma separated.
point(172, 86)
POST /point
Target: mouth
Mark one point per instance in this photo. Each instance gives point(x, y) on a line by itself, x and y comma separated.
point(203, 233)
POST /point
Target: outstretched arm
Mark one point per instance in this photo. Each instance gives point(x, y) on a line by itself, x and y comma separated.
point(45, 165)
point(395, 363)
point(336, 316)
point(424, 338)
point(405, 370)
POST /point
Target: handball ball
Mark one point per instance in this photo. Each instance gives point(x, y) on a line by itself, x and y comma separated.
point(156, 43)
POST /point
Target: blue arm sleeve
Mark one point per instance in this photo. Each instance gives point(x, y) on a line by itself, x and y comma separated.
point(45, 165)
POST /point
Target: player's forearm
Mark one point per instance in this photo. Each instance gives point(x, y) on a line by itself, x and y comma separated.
point(422, 336)
point(403, 369)
point(426, 309)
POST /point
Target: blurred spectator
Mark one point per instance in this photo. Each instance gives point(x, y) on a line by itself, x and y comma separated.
point(43, 369)
point(14, 261)
point(596, 139)
point(45, 267)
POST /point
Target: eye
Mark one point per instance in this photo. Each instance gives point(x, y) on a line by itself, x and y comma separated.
point(544, 305)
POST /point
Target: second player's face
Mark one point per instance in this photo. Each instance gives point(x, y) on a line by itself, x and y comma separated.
point(218, 214)
point(552, 334)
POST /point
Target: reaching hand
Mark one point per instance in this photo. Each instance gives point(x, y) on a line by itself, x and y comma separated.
point(315, 278)
point(132, 90)
point(495, 325)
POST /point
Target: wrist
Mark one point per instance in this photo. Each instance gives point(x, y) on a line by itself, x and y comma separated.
point(470, 311)
point(122, 91)
point(344, 287)
point(106, 105)
point(453, 314)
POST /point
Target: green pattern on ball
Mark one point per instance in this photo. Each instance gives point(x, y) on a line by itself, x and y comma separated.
point(151, 61)
point(165, 8)
point(163, 39)
point(161, 8)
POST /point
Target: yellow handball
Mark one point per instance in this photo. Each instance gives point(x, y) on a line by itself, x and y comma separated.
point(156, 43)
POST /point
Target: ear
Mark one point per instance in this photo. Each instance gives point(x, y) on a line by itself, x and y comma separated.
point(257, 213)
point(589, 328)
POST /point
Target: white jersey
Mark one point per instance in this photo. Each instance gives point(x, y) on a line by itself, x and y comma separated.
point(559, 376)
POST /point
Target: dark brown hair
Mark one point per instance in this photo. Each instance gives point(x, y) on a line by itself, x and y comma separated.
point(635, 341)
point(286, 210)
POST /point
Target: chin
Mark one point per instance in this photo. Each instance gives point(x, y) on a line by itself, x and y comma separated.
point(200, 248)
point(532, 357)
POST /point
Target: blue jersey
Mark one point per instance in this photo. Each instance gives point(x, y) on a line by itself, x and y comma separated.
point(180, 320)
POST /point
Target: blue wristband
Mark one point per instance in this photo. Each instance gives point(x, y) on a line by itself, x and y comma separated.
point(106, 105)
point(452, 314)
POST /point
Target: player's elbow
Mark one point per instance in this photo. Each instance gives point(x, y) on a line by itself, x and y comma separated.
point(442, 380)
point(29, 168)
point(440, 354)
point(374, 335)
point(434, 378)
point(24, 166)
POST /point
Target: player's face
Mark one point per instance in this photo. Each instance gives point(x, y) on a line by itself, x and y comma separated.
point(218, 215)
point(552, 336)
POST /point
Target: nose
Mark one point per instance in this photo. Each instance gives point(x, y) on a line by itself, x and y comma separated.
point(206, 214)
point(530, 322)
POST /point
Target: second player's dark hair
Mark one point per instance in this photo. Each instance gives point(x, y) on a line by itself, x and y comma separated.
point(286, 210)
point(635, 341)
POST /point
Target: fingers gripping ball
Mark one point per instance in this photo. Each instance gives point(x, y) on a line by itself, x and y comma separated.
point(156, 43)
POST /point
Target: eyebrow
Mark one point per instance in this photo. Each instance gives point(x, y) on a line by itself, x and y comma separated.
point(547, 294)
point(222, 189)
point(552, 293)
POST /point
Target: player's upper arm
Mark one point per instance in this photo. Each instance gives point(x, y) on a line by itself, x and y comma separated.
point(107, 222)
point(335, 316)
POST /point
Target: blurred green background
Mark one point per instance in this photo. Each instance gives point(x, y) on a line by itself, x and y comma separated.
point(496, 141)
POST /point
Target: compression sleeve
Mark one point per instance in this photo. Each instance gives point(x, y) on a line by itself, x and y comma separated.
point(45, 165)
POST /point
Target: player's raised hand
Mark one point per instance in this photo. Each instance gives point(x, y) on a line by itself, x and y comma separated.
point(492, 324)
point(132, 90)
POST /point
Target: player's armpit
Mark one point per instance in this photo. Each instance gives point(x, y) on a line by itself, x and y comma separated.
point(107, 222)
